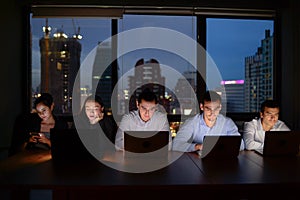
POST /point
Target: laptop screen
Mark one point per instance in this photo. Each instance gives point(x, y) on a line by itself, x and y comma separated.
point(281, 143)
point(67, 145)
point(141, 142)
point(221, 146)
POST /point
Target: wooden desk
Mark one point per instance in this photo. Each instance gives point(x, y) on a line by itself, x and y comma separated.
point(248, 177)
point(73, 180)
point(252, 176)
point(23, 159)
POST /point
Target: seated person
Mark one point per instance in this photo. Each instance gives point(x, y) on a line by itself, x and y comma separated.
point(33, 131)
point(92, 115)
point(254, 131)
point(190, 136)
point(145, 118)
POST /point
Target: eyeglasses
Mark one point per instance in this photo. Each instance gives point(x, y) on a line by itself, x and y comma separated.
point(207, 109)
point(145, 110)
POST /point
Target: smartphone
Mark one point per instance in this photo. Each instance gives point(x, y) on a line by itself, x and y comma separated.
point(35, 134)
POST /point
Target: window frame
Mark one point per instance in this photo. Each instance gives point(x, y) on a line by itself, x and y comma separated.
point(202, 13)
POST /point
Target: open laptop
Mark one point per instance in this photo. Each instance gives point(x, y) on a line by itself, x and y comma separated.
point(146, 143)
point(67, 145)
point(280, 143)
point(220, 146)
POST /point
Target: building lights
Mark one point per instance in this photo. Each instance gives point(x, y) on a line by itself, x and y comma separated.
point(229, 82)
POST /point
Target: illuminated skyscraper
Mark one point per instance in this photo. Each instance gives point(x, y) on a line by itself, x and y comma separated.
point(259, 75)
point(60, 63)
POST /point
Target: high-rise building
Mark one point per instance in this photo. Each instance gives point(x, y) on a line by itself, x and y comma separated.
point(102, 83)
point(60, 63)
point(259, 75)
point(233, 95)
point(185, 90)
point(147, 75)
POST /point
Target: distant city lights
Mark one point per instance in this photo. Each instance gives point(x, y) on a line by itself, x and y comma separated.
point(231, 82)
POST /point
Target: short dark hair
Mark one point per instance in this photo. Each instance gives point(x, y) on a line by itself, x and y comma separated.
point(45, 98)
point(211, 95)
point(147, 95)
point(270, 104)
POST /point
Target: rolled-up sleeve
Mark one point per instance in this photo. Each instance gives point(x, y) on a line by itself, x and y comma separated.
point(183, 140)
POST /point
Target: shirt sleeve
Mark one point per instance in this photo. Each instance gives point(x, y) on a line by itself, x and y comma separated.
point(183, 140)
point(249, 134)
point(283, 126)
point(165, 126)
point(119, 141)
point(232, 129)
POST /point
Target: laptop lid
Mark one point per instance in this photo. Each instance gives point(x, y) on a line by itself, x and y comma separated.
point(280, 143)
point(220, 146)
point(67, 145)
point(146, 143)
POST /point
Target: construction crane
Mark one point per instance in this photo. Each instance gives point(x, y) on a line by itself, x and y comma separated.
point(76, 35)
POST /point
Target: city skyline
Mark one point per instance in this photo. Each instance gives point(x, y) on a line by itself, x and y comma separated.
point(217, 49)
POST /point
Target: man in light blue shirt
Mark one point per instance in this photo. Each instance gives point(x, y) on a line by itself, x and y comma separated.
point(146, 118)
point(190, 136)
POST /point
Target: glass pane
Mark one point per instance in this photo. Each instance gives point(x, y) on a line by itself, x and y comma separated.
point(158, 52)
point(243, 53)
point(57, 56)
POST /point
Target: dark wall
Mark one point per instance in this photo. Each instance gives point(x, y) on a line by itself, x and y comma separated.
point(11, 80)
point(290, 65)
point(14, 74)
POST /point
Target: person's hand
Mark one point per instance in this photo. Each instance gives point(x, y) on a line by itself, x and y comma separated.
point(198, 147)
point(34, 137)
point(43, 139)
point(98, 118)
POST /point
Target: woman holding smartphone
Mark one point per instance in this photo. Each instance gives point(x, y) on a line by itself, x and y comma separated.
point(33, 131)
point(43, 120)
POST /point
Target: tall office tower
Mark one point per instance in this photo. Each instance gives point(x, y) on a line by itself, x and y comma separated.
point(102, 83)
point(60, 63)
point(259, 75)
point(234, 91)
point(147, 75)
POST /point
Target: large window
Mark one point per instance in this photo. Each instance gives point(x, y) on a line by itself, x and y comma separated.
point(59, 47)
point(243, 52)
point(118, 55)
point(151, 59)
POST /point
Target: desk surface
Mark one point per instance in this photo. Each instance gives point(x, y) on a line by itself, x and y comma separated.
point(250, 168)
point(88, 172)
point(241, 178)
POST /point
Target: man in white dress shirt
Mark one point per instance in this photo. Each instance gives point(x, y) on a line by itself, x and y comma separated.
point(254, 131)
